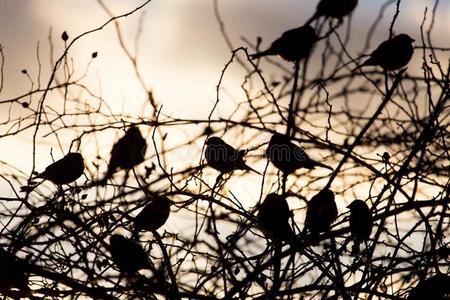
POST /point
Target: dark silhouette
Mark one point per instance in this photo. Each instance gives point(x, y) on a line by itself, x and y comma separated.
point(333, 9)
point(293, 45)
point(127, 153)
point(320, 214)
point(64, 171)
point(129, 256)
point(392, 54)
point(436, 287)
point(223, 157)
point(273, 218)
point(360, 223)
point(153, 215)
point(12, 275)
point(288, 157)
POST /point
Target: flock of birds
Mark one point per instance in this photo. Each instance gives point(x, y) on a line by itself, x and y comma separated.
point(273, 213)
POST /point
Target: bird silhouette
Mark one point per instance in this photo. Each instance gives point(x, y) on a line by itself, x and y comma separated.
point(127, 152)
point(64, 171)
point(320, 213)
point(436, 287)
point(288, 157)
point(361, 223)
point(273, 218)
point(12, 274)
point(392, 54)
point(223, 157)
point(333, 9)
point(129, 256)
point(293, 45)
point(153, 215)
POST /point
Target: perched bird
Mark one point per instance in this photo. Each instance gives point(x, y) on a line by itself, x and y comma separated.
point(223, 157)
point(288, 157)
point(321, 213)
point(392, 54)
point(127, 153)
point(293, 45)
point(129, 256)
point(436, 287)
point(273, 218)
point(64, 171)
point(153, 215)
point(333, 9)
point(360, 223)
point(12, 274)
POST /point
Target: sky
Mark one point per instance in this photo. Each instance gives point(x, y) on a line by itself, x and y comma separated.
point(181, 49)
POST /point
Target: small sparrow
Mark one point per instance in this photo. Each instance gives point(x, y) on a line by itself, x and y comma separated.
point(129, 256)
point(127, 152)
point(392, 54)
point(436, 287)
point(12, 274)
point(153, 215)
point(334, 9)
point(361, 223)
point(288, 157)
point(321, 213)
point(293, 45)
point(273, 218)
point(64, 171)
point(223, 157)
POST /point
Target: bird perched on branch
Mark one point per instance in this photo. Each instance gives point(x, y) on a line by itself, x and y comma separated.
point(360, 223)
point(223, 157)
point(288, 157)
point(129, 256)
point(273, 218)
point(392, 54)
point(12, 275)
point(436, 287)
point(320, 213)
point(293, 45)
point(64, 171)
point(153, 215)
point(333, 9)
point(126, 153)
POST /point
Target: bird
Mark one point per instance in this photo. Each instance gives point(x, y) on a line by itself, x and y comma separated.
point(392, 54)
point(273, 218)
point(320, 213)
point(129, 256)
point(361, 223)
point(64, 171)
point(436, 287)
point(293, 45)
point(288, 157)
point(223, 157)
point(127, 152)
point(153, 215)
point(333, 9)
point(12, 274)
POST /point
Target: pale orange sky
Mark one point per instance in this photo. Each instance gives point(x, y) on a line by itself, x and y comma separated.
point(181, 49)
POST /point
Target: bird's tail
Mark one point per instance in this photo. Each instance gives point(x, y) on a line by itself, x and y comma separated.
point(319, 164)
point(248, 168)
point(260, 54)
point(355, 248)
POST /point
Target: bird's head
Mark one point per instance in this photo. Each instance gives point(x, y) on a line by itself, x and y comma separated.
point(278, 138)
point(214, 140)
point(309, 33)
point(326, 193)
point(357, 205)
point(404, 38)
point(116, 239)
